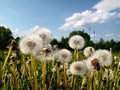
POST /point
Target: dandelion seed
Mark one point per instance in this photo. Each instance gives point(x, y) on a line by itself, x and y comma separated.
point(46, 54)
point(30, 44)
point(89, 51)
point(64, 56)
point(76, 42)
point(78, 68)
point(45, 34)
point(49, 57)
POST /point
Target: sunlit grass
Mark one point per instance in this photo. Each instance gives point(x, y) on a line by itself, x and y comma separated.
point(18, 76)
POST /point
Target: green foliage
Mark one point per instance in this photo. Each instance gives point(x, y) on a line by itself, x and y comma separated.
point(5, 37)
point(101, 44)
point(54, 42)
point(16, 76)
point(63, 43)
point(83, 34)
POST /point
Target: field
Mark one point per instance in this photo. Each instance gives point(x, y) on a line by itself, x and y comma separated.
point(37, 65)
point(19, 74)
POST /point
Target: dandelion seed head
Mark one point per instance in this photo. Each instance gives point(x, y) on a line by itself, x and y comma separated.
point(45, 34)
point(45, 57)
point(76, 42)
point(30, 44)
point(92, 64)
point(89, 51)
point(64, 56)
point(78, 68)
point(104, 57)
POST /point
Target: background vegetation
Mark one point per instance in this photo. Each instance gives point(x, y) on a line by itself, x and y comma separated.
point(6, 36)
point(18, 71)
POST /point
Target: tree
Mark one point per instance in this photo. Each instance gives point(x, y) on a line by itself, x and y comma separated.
point(54, 42)
point(63, 43)
point(83, 34)
point(5, 37)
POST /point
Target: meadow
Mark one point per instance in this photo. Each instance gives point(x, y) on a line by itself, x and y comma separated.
point(40, 66)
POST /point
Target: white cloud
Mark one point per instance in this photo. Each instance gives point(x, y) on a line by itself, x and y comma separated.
point(21, 33)
point(103, 11)
point(3, 25)
point(109, 35)
point(107, 5)
point(92, 35)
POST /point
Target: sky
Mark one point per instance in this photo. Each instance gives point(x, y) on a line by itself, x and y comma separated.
point(99, 18)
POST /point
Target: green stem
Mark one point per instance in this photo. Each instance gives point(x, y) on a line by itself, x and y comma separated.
point(77, 55)
point(71, 84)
point(84, 82)
point(74, 83)
point(64, 73)
point(30, 79)
point(91, 79)
point(33, 63)
point(58, 77)
point(7, 57)
point(44, 75)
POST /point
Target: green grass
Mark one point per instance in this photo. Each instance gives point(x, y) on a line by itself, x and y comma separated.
point(18, 75)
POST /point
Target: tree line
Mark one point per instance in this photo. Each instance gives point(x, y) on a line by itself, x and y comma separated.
point(101, 44)
point(6, 37)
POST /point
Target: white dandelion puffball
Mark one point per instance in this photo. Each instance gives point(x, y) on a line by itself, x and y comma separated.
point(104, 57)
point(64, 55)
point(49, 57)
point(92, 64)
point(76, 42)
point(31, 44)
point(45, 34)
point(78, 68)
point(89, 51)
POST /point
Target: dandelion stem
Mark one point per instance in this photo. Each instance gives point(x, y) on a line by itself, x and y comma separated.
point(74, 83)
point(33, 63)
point(64, 73)
point(30, 79)
point(84, 82)
point(77, 55)
point(7, 57)
point(91, 80)
point(58, 77)
point(44, 75)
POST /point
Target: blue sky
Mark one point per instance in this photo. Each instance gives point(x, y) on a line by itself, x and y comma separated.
point(63, 17)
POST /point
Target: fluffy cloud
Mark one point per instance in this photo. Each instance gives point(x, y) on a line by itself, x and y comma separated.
point(21, 33)
point(103, 11)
